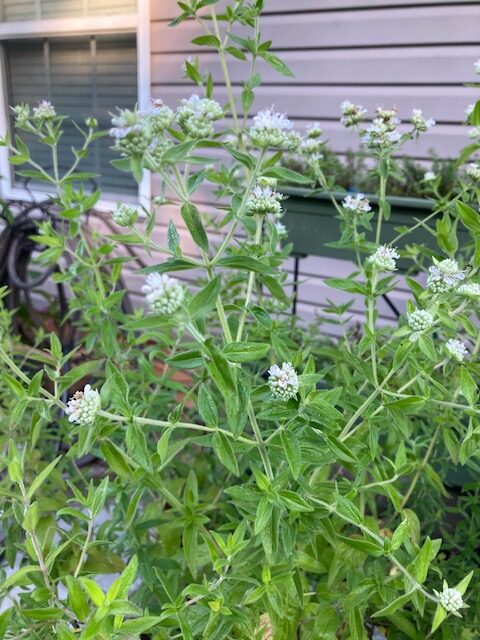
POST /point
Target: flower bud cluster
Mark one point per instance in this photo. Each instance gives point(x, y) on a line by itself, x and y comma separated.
point(380, 135)
point(451, 599)
point(429, 176)
point(124, 215)
point(311, 145)
point(160, 116)
point(444, 276)
point(419, 321)
point(131, 132)
point(271, 129)
point(352, 114)
point(384, 258)
point(469, 290)
point(456, 349)
point(476, 66)
point(21, 114)
point(83, 406)
point(357, 203)
point(283, 381)
point(195, 116)
point(420, 123)
point(264, 200)
point(163, 294)
point(473, 171)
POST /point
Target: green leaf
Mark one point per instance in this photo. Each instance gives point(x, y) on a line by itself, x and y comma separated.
point(245, 351)
point(137, 446)
point(42, 476)
point(277, 64)
point(263, 515)
point(207, 407)
point(468, 386)
point(439, 617)
point(225, 453)
point(207, 41)
point(346, 284)
point(190, 547)
point(462, 586)
point(394, 605)
point(16, 579)
point(116, 459)
point(173, 238)
point(205, 299)
point(93, 591)
point(4, 622)
point(47, 613)
point(294, 502)
point(287, 175)
point(469, 217)
point(139, 626)
point(174, 264)
point(365, 546)
point(407, 405)
point(191, 359)
point(191, 217)
point(245, 263)
point(291, 447)
point(77, 598)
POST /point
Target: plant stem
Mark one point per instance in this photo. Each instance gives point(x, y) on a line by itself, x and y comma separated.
point(83, 553)
point(260, 443)
point(251, 279)
point(177, 425)
point(382, 202)
point(226, 74)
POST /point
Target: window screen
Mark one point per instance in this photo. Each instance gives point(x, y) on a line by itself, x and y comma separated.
point(14, 10)
point(81, 77)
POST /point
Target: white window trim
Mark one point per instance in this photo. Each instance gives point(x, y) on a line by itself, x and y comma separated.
point(138, 23)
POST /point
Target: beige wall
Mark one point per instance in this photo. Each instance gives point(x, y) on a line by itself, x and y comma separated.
point(392, 52)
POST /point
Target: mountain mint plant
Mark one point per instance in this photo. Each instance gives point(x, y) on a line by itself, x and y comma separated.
point(164, 476)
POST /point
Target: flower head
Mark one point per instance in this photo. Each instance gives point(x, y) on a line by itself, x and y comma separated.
point(420, 123)
point(164, 295)
point(380, 135)
point(451, 600)
point(21, 114)
point(131, 131)
point(283, 381)
point(161, 117)
point(83, 406)
point(311, 148)
point(473, 171)
point(314, 130)
point(281, 229)
point(476, 66)
point(444, 276)
point(357, 203)
point(264, 200)
point(196, 115)
point(474, 133)
point(468, 112)
point(456, 349)
point(428, 176)
point(44, 111)
point(270, 129)
point(469, 290)
point(419, 320)
point(124, 215)
point(352, 114)
point(384, 258)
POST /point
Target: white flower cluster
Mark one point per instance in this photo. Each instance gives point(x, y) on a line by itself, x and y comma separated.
point(384, 258)
point(383, 131)
point(469, 290)
point(83, 406)
point(196, 115)
point(420, 123)
point(429, 176)
point(451, 600)
point(473, 171)
point(444, 276)
point(476, 66)
point(131, 133)
point(283, 382)
point(124, 215)
point(311, 145)
point(271, 129)
point(21, 113)
point(264, 200)
point(352, 114)
point(357, 203)
point(163, 294)
point(44, 111)
point(419, 320)
point(281, 230)
point(160, 116)
point(474, 133)
point(456, 349)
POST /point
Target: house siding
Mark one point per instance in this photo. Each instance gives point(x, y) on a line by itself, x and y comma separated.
point(391, 52)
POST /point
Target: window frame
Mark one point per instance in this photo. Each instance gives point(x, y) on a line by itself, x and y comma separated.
point(135, 23)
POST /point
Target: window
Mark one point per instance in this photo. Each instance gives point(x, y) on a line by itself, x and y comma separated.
point(14, 10)
point(81, 76)
point(85, 56)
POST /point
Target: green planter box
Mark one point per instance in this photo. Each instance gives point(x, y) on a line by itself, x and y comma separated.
point(312, 223)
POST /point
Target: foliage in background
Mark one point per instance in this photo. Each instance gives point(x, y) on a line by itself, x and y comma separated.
point(238, 476)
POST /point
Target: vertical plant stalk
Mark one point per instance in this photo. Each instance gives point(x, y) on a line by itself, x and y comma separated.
point(251, 279)
point(382, 200)
point(260, 443)
point(371, 327)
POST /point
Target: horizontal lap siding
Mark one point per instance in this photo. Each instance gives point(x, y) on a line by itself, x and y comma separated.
point(407, 53)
